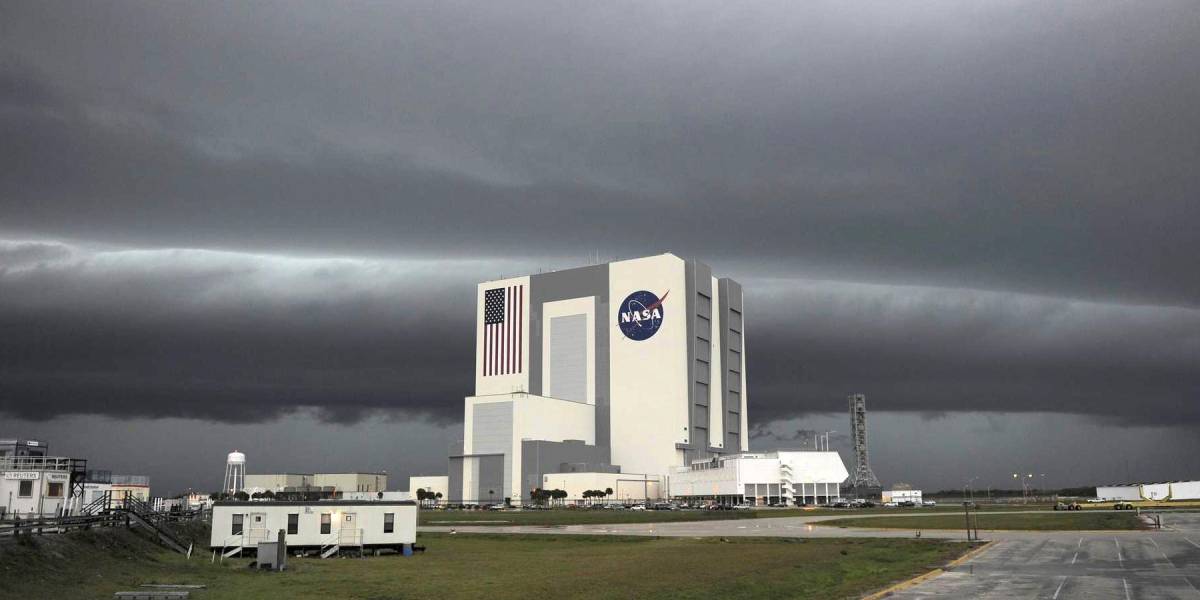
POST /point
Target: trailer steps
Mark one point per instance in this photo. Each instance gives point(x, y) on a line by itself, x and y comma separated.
point(331, 551)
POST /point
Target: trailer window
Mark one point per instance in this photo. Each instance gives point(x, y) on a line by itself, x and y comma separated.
point(389, 522)
point(237, 525)
point(25, 489)
point(326, 523)
point(54, 489)
point(293, 523)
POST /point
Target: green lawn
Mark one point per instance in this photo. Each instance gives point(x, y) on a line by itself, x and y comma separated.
point(94, 565)
point(563, 516)
point(1056, 521)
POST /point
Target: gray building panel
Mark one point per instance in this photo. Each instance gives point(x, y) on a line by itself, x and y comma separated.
point(730, 300)
point(454, 472)
point(699, 306)
point(492, 433)
point(568, 357)
point(564, 285)
point(491, 479)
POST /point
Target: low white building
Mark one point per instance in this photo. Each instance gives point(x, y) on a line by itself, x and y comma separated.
point(432, 484)
point(324, 525)
point(33, 486)
point(762, 478)
point(626, 487)
point(899, 496)
point(1164, 491)
point(376, 496)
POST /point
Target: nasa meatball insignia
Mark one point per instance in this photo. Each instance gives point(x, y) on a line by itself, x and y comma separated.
point(641, 315)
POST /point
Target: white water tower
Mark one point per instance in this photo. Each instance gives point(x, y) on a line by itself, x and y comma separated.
point(235, 473)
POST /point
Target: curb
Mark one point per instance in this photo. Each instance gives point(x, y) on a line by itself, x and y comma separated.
point(888, 591)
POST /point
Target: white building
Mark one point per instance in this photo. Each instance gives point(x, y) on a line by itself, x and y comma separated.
point(335, 483)
point(33, 486)
point(636, 365)
point(322, 525)
point(432, 484)
point(1162, 491)
point(899, 496)
point(762, 478)
point(626, 487)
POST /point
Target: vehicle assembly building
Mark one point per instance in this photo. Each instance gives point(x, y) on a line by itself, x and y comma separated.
point(633, 367)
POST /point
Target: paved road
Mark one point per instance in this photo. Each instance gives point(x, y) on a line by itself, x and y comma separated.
point(1123, 565)
point(1063, 566)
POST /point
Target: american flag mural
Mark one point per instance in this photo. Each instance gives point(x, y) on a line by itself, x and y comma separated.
point(503, 314)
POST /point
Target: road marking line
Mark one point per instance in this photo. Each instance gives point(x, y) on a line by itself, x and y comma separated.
point(1059, 589)
point(1120, 558)
point(1077, 546)
point(1074, 558)
point(1191, 542)
point(1126, 588)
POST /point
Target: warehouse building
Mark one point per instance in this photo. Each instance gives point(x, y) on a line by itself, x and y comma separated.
point(136, 487)
point(635, 366)
point(329, 485)
point(762, 478)
point(431, 484)
point(1163, 491)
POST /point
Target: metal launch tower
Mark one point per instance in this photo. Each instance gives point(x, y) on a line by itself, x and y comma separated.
point(862, 479)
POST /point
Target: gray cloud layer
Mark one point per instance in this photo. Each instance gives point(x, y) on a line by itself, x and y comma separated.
point(235, 337)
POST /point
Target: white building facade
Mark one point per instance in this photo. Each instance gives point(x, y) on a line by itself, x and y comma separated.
point(793, 478)
point(36, 486)
point(314, 524)
point(1164, 491)
point(635, 366)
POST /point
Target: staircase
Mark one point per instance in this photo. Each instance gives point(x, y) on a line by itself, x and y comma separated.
point(99, 506)
point(330, 546)
point(141, 514)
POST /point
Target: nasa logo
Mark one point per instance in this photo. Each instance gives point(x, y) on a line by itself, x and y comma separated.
point(641, 315)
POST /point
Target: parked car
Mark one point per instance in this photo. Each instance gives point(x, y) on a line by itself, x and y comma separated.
point(890, 505)
point(779, 505)
point(908, 504)
point(742, 507)
point(929, 503)
point(637, 507)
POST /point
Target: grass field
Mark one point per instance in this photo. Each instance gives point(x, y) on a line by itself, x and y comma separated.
point(1061, 521)
point(450, 518)
point(96, 564)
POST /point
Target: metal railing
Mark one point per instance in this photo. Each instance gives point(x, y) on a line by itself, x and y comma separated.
point(350, 537)
point(37, 463)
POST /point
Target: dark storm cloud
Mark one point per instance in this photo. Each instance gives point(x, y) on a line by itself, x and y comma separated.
point(1018, 181)
point(1020, 146)
point(936, 350)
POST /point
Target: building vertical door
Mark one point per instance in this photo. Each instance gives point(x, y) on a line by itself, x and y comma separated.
point(258, 531)
point(348, 532)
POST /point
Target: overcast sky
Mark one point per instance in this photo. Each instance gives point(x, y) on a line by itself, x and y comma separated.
point(259, 225)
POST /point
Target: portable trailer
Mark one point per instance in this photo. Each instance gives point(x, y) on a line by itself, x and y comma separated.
point(327, 527)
